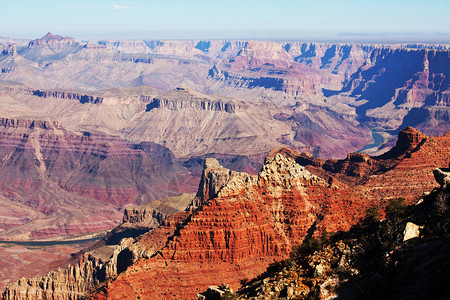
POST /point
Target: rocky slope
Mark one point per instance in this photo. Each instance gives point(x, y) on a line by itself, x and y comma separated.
point(228, 243)
point(60, 182)
point(193, 124)
point(187, 246)
point(103, 260)
point(402, 257)
point(239, 223)
point(403, 87)
point(293, 68)
point(251, 219)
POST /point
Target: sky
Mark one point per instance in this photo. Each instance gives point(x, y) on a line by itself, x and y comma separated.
point(226, 19)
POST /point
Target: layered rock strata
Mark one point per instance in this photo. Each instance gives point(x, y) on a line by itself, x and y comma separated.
point(249, 218)
point(402, 264)
point(67, 183)
point(240, 223)
point(235, 227)
point(102, 261)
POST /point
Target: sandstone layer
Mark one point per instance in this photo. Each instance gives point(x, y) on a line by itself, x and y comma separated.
point(397, 257)
point(239, 223)
point(193, 124)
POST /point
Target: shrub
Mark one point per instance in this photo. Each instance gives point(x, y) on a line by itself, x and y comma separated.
point(396, 209)
point(372, 215)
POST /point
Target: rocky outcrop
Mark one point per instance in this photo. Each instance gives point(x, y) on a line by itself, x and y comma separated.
point(75, 281)
point(442, 177)
point(411, 231)
point(393, 88)
point(359, 264)
point(196, 104)
point(101, 262)
point(216, 292)
point(140, 214)
point(242, 223)
point(239, 81)
point(213, 179)
point(29, 124)
point(8, 70)
point(153, 214)
point(52, 40)
point(408, 139)
point(70, 283)
point(250, 164)
point(10, 50)
point(68, 96)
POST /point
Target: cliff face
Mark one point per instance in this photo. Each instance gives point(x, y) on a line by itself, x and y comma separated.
point(373, 260)
point(271, 66)
point(102, 261)
point(235, 227)
point(402, 86)
point(67, 95)
point(71, 183)
point(342, 59)
point(205, 104)
point(239, 223)
point(61, 284)
point(422, 81)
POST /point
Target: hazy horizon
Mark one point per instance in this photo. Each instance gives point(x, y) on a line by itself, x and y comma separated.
point(350, 37)
point(327, 20)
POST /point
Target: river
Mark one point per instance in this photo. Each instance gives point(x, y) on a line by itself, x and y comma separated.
point(51, 243)
point(378, 141)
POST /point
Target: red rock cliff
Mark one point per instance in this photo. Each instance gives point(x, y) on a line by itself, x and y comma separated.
point(240, 224)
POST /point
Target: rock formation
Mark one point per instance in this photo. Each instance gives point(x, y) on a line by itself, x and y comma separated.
point(403, 94)
point(235, 237)
point(67, 95)
point(269, 65)
point(51, 39)
point(442, 177)
point(71, 183)
point(104, 260)
point(329, 87)
point(239, 223)
point(124, 113)
point(393, 258)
